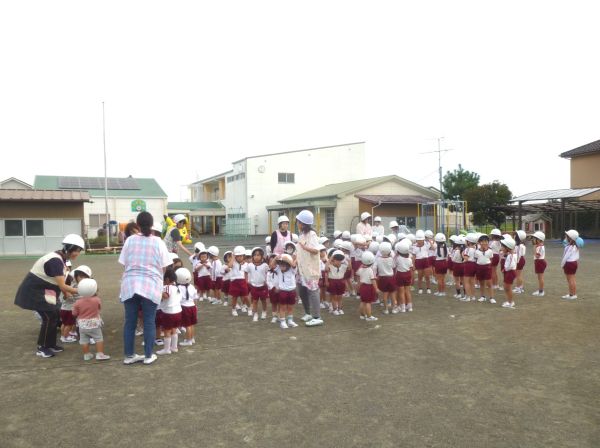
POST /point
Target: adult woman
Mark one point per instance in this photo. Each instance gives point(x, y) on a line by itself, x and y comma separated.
point(280, 236)
point(41, 287)
point(364, 226)
point(309, 269)
point(173, 239)
point(145, 258)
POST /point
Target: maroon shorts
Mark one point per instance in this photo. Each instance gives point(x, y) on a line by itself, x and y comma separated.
point(287, 297)
point(367, 293)
point(403, 278)
point(274, 296)
point(431, 261)
point(540, 266)
point(337, 287)
point(238, 288)
point(441, 267)
point(570, 268)
point(356, 264)
point(261, 292)
point(168, 321)
point(495, 259)
point(521, 264)
point(217, 284)
point(458, 269)
point(66, 317)
point(421, 263)
point(203, 283)
point(348, 274)
point(469, 268)
point(484, 272)
point(450, 264)
point(386, 284)
point(189, 316)
point(509, 277)
point(225, 287)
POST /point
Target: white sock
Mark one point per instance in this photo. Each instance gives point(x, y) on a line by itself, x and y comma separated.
point(167, 345)
point(174, 340)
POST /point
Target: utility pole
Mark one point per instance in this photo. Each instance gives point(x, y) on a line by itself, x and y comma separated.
point(439, 153)
point(105, 180)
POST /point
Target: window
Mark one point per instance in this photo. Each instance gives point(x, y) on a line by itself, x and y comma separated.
point(329, 221)
point(13, 227)
point(34, 227)
point(236, 177)
point(408, 221)
point(235, 215)
point(286, 178)
point(98, 219)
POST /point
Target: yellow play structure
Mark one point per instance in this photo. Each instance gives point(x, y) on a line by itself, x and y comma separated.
point(184, 231)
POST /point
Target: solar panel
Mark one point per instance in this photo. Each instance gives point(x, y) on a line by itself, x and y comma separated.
point(97, 183)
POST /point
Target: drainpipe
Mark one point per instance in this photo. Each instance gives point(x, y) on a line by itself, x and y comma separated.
point(373, 210)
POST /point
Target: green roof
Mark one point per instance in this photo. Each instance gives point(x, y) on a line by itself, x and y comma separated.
point(191, 206)
point(344, 188)
point(147, 187)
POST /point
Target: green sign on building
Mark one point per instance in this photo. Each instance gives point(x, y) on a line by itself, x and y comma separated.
point(138, 206)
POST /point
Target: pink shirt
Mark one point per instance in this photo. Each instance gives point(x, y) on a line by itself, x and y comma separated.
point(87, 308)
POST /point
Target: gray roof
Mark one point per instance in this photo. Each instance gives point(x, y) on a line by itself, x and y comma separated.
point(394, 199)
point(590, 148)
point(44, 195)
point(555, 194)
point(297, 150)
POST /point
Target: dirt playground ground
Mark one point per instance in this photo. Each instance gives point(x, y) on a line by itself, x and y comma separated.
point(450, 374)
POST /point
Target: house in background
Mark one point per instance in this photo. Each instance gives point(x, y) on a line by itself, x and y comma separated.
point(585, 165)
point(127, 196)
point(12, 183)
point(339, 205)
point(205, 217)
point(256, 182)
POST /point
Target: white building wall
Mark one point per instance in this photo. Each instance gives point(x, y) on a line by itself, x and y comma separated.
point(236, 193)
point(312, 169)
point(119, 209)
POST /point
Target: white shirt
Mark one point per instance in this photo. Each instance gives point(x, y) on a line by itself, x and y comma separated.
point(364, 229)
point(403, 264)
point(378, 230)
point(366, 274)
point(272, 278)
point(172, 305)
point(216, 269)
point(457, 255)
point(287, 279)
point(470, 253)
point(443, 253)
point(495, 246)
point(192, 295)
point(384, 266)
point(571, 253)
point(335, 273)
point(421, 252)
point(510, 262)
point(202, 270)
point(432, 249)
point(540, 252)
point(237, 271)
point(484, 257)
point(520, 251)
point(257, 275)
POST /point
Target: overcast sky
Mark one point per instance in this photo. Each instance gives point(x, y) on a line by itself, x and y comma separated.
point(190, 87)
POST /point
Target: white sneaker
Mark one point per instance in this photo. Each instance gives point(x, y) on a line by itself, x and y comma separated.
point(88, 356)
point(263, 315)
point(237, 307)
point(428, 291)
point(341, 311)
point(186, 343)
point(336, 313)
point(282, 324)
point(403, 308)
point(255, 318)
point(164, 351)
point(363, 317)
point(386, 311)
point(274, 319)
point(102, 357)
point(68, 339)
point(492, 300)
point(250, 313)
point(371, 318)
point(234, 313)
point(244, 308)
point(441, 294)
point(450, 283)
point(395, 310)
point(464, 299)
point(291, 323)
point(139, 332)
point(217, 302)
point(409, 307)
point(299, 301)
point(178, 330)
point(508, 305)
point(346, 294)
point(570, 297)
point(322, 305)
point(306, 318)
point(420, 291)
point(314, 322)
point(151, 359)
point(225, 303)
point(476, 286)
point(538, 293)
point(482, 299)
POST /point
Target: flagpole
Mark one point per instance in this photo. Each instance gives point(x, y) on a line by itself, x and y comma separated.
point(105, 180)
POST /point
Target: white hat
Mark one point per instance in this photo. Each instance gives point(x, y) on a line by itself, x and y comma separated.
point(360, 239)
point(323, 240)
point(440, 238)
point(338, 253)
point(337, 234)
point(282, 218)
point(539, 235)
point(157, 228)
point(74, 240)
point(508, 242)
point(214, 251)
point(420, 235)
point(347, 245)
point(285, 258)
point(353, 238)
point(267, 240)
point(377, 219)
point(460, 240)
point(452, 238)
point(239, 250)
point(83, 268)
point(402, 247)
point(401, 235)
point(393, 224)
point(411, 237)
point(294, 238)
point(172, 256)
point(367, 258)
point(392, 238)
point(183, 276)
point(379, 239)
point(385, 248)
point(199, 246)
point(573, 234)
point(496, 232)
point(364, 215)
point(254, 249)
point(428, 234)
point(472, 238)
point(337, 243)
point(345, 235)
point(87, 287)
point(178, 217)
point(289, 243)
point(306, 217)
point(247, 253)
point(320, 247)
point(522, 235)
point(374, 247)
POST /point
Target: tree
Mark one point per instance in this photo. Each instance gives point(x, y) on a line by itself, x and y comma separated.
point(457, 182)
point(483, 201)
